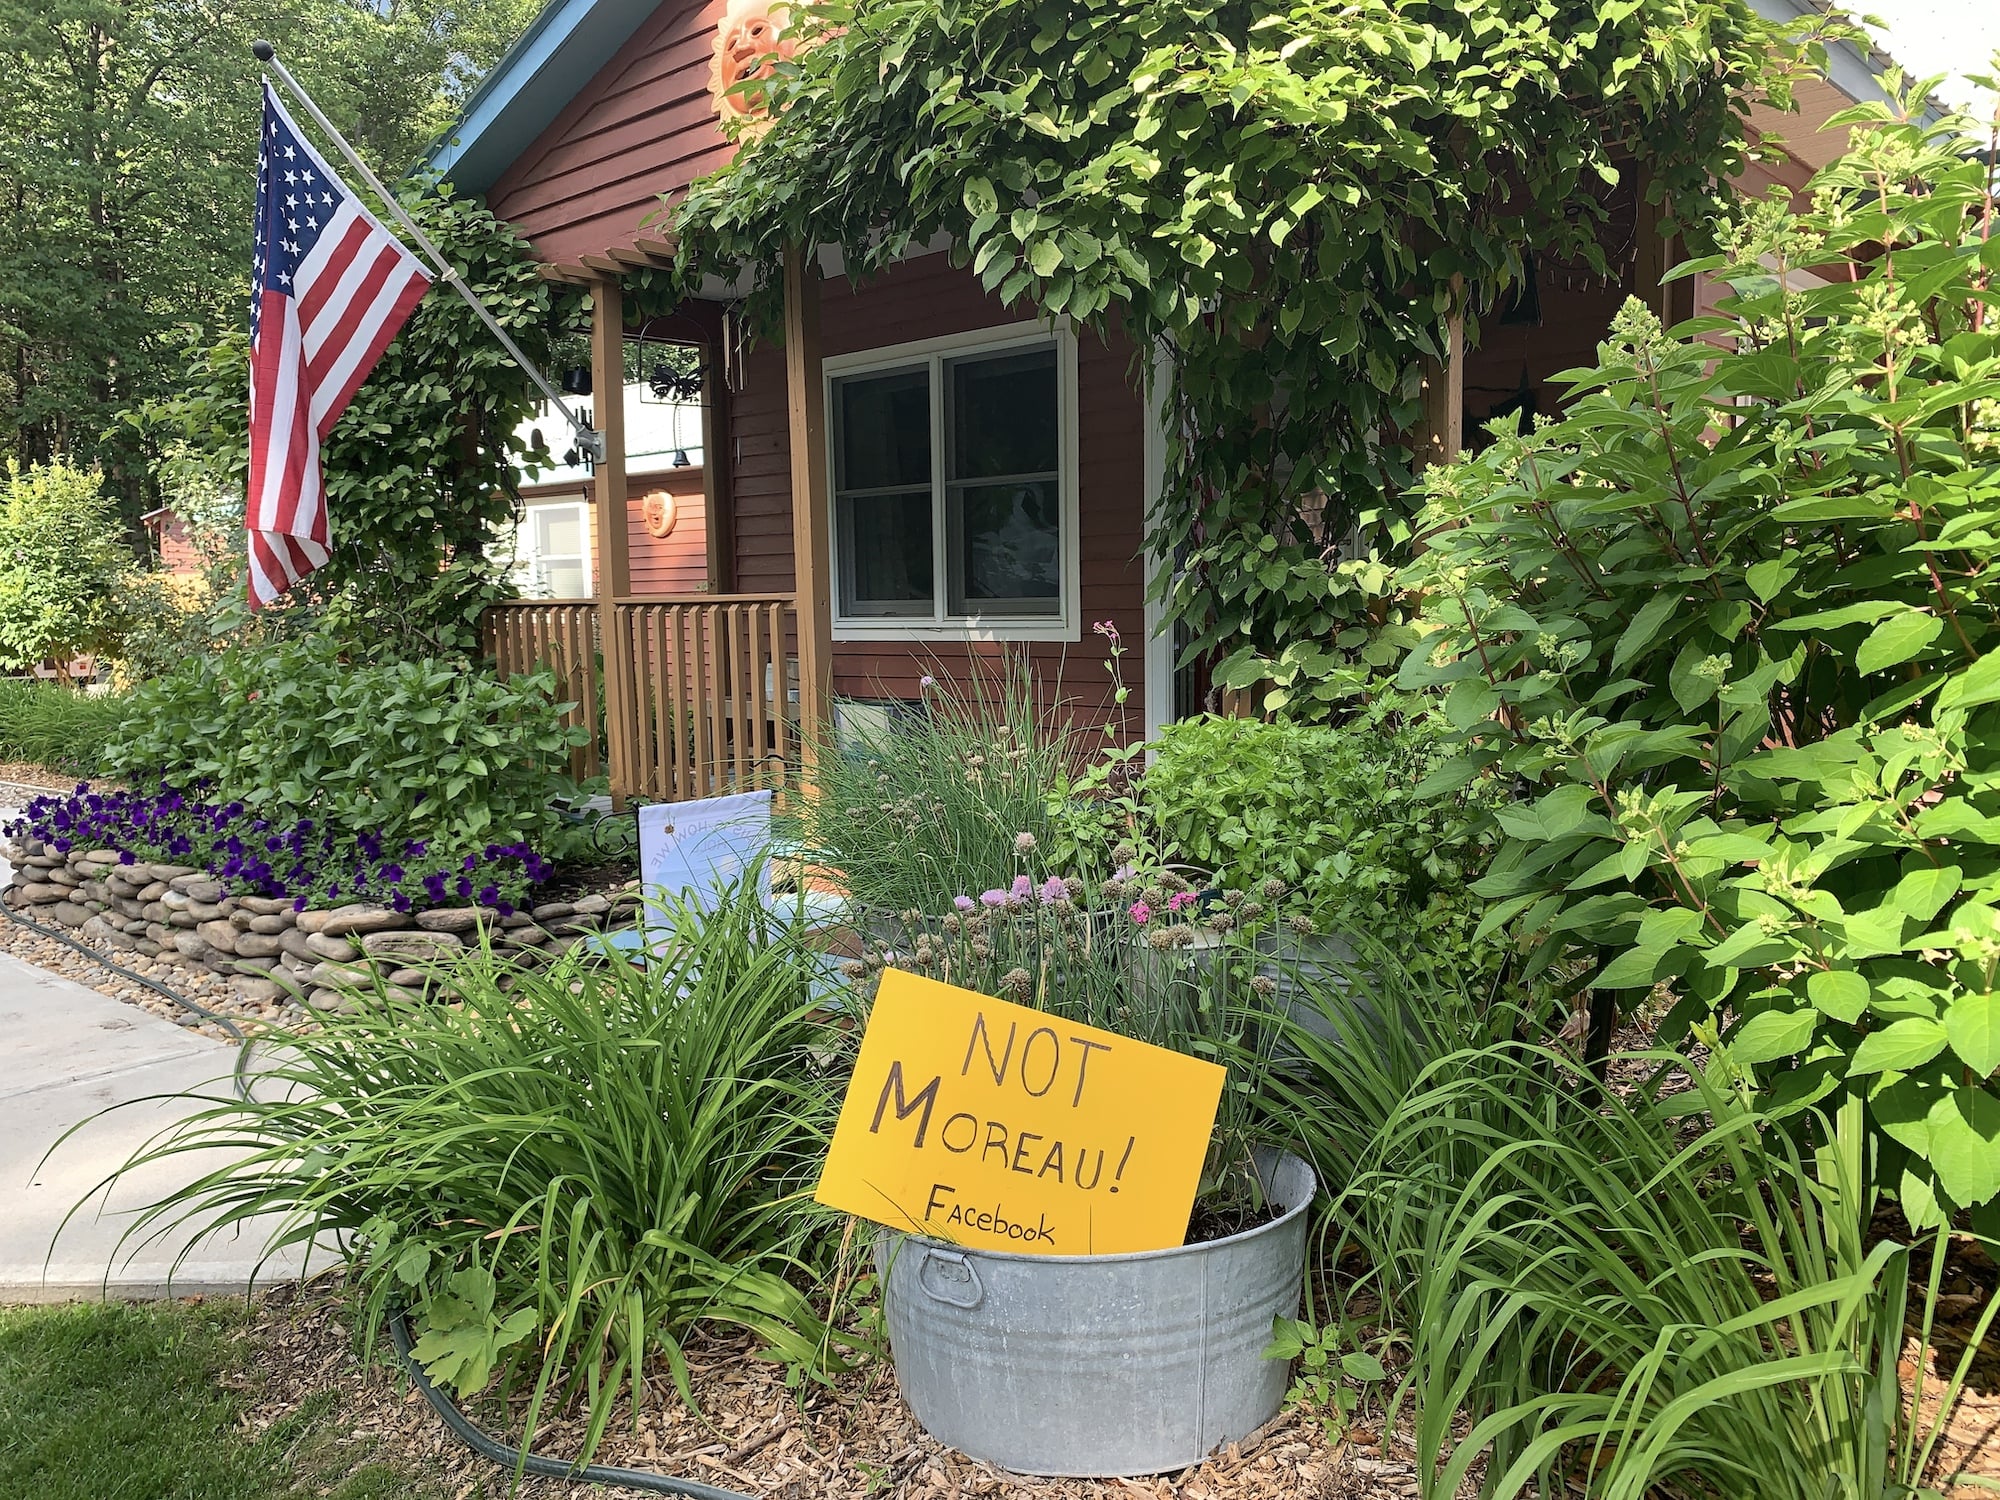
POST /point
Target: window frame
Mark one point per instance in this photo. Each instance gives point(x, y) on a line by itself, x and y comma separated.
point(932, 354)
point(529, 560)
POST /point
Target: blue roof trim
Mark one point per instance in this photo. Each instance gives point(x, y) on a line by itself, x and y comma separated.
point(560, 52)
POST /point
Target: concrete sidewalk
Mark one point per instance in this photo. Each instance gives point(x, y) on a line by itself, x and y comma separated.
point(67, 1054)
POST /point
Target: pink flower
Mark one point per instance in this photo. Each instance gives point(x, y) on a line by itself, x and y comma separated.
point(1024, 888)
point(1054, 890)
point(1141, 913)
point(992, 898)
point(1180, 900)
point(927, 681)
point(1108, 629)
point(963, 903)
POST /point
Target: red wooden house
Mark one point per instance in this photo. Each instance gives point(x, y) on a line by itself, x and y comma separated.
point(916, 473)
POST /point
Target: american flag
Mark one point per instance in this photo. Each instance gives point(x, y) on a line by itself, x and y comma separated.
point(330, 288)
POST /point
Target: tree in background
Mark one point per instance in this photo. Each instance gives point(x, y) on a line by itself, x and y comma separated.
point(62, 561)
point(125, 191)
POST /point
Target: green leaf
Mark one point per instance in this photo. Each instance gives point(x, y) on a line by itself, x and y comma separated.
point(1922, 894)
point(1045, 258)
point(1897, 639)
point(1972, 1025)
point(1898, 1047)
point(1634, 969)
point(1977, 684)
point(1363, 1367)
point(1646, 624)
point(1470, 700)
point(1768, 578)
point(1840, 993)
point(1965, 1145)
point(1772, 1034)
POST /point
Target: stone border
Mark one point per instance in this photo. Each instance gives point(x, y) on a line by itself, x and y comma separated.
point(270, 952)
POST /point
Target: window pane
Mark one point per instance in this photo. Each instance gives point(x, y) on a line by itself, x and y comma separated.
point(565, 580)
point(1003, 415)
point(560, 530)
point(1007, 548)
point(883, 424)
point(885, 554)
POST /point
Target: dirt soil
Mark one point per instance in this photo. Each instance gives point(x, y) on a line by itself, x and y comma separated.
point(756, 1436)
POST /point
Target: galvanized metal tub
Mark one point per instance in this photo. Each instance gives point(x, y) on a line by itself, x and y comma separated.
point(1097, 1365)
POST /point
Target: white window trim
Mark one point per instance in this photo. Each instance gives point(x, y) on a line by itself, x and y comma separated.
point(1067, 624)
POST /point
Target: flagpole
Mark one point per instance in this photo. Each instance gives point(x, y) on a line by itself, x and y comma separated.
point(589, 440)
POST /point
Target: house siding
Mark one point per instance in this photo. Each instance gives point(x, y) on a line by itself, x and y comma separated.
point(675, 564)
point(645, 126)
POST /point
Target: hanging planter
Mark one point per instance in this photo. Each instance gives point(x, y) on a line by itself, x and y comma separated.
point(1098, 1365)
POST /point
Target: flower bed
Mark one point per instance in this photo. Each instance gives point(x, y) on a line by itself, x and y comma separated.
point(286, 913)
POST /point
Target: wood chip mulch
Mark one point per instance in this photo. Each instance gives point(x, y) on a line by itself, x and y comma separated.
point(753, 1434)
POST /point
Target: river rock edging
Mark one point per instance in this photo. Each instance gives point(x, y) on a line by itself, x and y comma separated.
point(271, 952)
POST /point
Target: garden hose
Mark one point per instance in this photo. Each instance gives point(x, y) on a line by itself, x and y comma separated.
point(243, 1043)
point(512, 1459)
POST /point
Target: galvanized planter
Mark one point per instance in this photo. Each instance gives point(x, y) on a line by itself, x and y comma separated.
point(1097, 1365)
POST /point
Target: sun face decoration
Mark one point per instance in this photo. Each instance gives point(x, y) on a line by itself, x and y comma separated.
point(659, 512)
point(749, 42)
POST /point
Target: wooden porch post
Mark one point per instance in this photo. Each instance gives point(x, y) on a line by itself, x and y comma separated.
point(811, 549)
point(614, 543)
point(1441, 429)
point(717, 495)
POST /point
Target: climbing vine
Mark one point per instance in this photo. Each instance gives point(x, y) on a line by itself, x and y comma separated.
point(1279, 194)
point(420, 469)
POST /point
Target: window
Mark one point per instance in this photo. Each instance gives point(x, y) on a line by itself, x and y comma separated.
point(954, 491)
point(552, 552)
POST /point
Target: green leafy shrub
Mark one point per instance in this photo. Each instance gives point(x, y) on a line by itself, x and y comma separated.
point(1628, 1296)
point(1333, 812)
point(1730, 627)
point(55, 727)
point(564, 1174)
point(62, 562)
point(410, 750)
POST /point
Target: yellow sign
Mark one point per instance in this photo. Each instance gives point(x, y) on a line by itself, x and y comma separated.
point(987, 1124)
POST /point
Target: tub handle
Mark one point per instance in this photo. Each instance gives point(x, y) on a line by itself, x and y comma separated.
point(954, 1282)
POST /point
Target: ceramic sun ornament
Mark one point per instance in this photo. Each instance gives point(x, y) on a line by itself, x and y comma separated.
point(659, 512)
point(748, 44)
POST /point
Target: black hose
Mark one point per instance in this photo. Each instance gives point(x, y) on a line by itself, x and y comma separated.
point(243, 1042)
point(512, 1459)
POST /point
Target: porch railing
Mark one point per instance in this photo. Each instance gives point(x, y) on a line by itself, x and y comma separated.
point(524, 635)
point(710, 691)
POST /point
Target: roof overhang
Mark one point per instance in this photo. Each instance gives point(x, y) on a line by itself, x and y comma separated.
point(564, 47)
